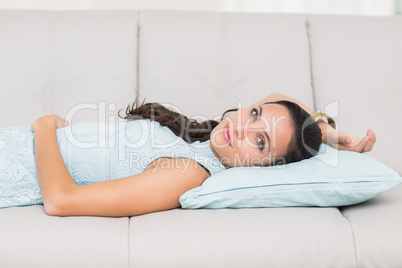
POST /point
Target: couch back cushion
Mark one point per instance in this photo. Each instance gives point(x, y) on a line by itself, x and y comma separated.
point(77, 63)
point(203, 63)
point(357, 76)
point(85, 64)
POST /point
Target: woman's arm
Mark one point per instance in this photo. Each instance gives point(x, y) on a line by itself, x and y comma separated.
point(53, 176)
point(338, 139)
point(157, 188)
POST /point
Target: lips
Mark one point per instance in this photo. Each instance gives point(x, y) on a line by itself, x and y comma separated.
point(226, 134)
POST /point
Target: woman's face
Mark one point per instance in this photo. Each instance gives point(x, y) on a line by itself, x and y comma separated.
point(253, 136)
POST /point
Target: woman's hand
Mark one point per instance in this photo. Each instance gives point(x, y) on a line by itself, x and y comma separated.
point(53, 120)
point(345, 141)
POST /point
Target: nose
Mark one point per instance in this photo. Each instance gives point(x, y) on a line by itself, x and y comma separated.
point(239, 131)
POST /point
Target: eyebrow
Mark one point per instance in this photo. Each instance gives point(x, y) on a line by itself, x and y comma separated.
point(266, 134)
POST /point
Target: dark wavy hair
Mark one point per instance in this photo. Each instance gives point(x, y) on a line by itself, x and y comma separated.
point(305, 142)
point(306, 138)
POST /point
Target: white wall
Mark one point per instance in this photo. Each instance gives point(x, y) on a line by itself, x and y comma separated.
point(358, 7)
point(114, 4)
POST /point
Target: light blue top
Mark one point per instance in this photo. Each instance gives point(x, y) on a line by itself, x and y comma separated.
point(92, 153)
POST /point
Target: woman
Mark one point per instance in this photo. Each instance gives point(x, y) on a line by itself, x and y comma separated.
point(265, 133)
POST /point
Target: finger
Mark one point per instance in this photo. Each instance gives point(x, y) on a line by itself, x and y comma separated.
point(371, 141)
point(360, 146)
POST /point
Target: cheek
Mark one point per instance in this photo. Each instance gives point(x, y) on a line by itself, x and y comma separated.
point(246, 149)
point(244, 155)
point(248, 152)
point(248, 143)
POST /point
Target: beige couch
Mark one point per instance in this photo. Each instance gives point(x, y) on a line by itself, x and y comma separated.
point(85, 65)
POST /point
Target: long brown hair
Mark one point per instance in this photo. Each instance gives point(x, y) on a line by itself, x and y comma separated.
point(189, 129)
point(306, 136)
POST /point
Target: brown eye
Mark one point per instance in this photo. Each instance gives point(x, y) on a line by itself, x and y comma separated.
point(254, 113)
point(261, 143)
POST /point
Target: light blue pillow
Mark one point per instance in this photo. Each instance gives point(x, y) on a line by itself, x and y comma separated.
point(332, 178)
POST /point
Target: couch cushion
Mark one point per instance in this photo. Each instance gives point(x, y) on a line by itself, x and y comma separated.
point(376, 227)
point(30, 238)
point(264, 237)
point(24, 57)
point(53, 60)
point(206, 62)
point(357, 73)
